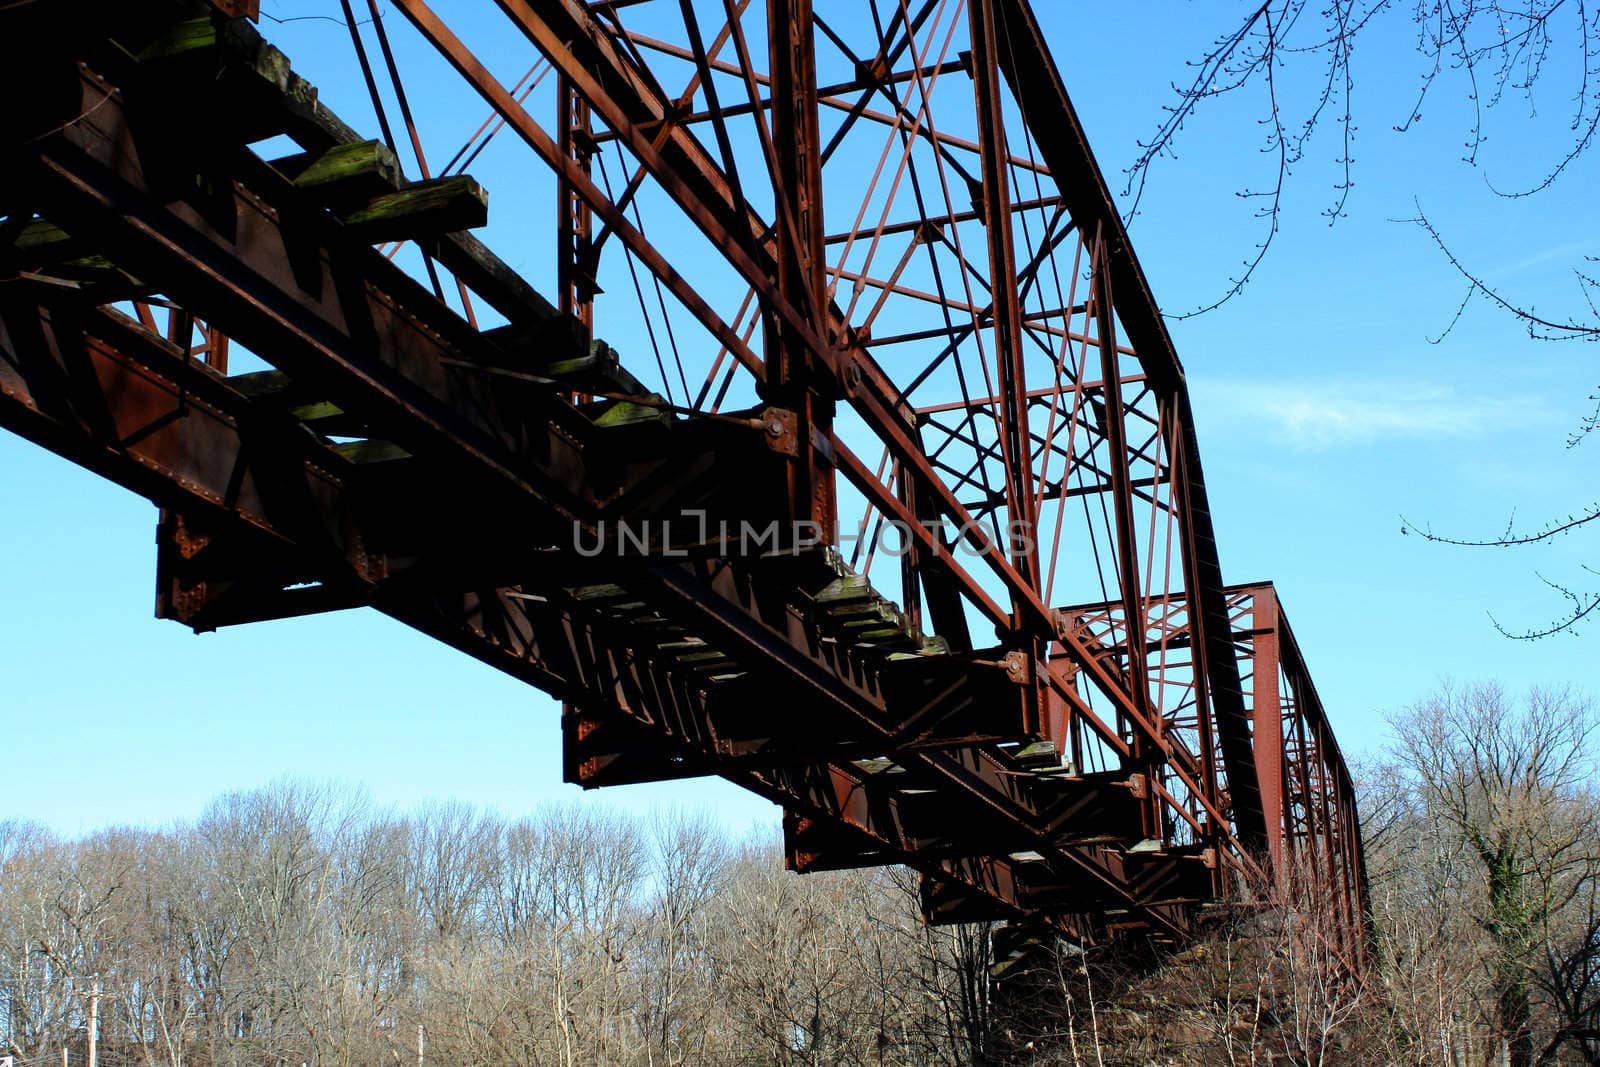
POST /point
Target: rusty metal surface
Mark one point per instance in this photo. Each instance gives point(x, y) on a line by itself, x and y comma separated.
point(959, 347)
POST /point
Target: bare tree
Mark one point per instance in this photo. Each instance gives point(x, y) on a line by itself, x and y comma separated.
point(1511, 783)
point(1427, 968)
point(689, 858)
point(1570, 976)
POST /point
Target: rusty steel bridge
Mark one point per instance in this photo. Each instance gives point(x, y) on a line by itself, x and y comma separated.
point(883, 500)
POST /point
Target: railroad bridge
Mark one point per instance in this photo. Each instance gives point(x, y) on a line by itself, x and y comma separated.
point(839, 449)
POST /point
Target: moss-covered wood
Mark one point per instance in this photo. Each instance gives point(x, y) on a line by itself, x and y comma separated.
point(262, 383)
point(622, 413)
point(186, 38)
point(329, 419)
point(275, 389)
point(365, 452)
point(351, 175)
point(44, 251)
point(41, 240)
point(424, 209)
point(221, 43)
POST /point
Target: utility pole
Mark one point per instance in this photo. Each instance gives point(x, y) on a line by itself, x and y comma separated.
point(94, 1019)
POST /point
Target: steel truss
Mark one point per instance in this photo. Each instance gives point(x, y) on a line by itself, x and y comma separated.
point(963, 411)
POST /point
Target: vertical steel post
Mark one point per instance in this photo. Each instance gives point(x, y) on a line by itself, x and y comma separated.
point(216, 349)
point(1316, 761)
point(1133, 601)
point(1266, 712)
point(1015, 444)
point(575, 265)
point(1300, 774)
point(910, 588)
point(793, 378)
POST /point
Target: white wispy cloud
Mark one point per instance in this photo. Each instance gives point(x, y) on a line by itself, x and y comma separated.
point(1573, 252)
point(1328, 414)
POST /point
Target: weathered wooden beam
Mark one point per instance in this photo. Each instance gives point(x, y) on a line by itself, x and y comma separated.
point(185, 38)
point(365, 453)
point(43, 252)
point(422, 209)
point(216, 41)
point(44, 241)
point(345, 175)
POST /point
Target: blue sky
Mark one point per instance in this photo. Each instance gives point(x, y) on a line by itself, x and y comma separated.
point(1325, 415)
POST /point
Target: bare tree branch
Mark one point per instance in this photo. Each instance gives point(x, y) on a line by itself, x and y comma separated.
point(1495, 48)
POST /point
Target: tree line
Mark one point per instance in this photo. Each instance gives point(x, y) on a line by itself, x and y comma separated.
point(300, 924)
point(296, 924)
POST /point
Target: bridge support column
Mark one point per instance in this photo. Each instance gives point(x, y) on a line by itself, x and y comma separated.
point(796, 379)
point(575, 263)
